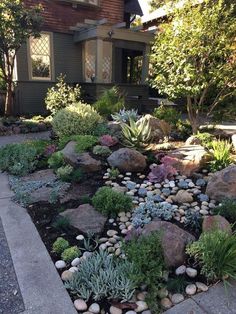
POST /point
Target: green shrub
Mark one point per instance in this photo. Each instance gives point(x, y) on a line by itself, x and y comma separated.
point(101, 129)
point(215, 252)
point(60, 245)
point(206, 139)
point(75, 119)
point(62, 223)
point(108, 201)
point(167, 113)
point(146, 254)
point(101, 276)
point(184, 128)
point(220, 154)
point(113, 173)
point(64, 172)
point(177, 284)
point(227, 209)
point(136, 134)
point(21, 159)
point(84, 142)
point(109, 103)
point(101, 150)
point(61, 95)
point(70, 253)
point(56, 160)
point(76, 176)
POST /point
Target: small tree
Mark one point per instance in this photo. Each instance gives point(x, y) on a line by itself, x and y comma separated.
point(194, 53)
point(17, 23)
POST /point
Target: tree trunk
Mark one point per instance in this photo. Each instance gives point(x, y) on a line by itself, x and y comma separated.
point(9, 99)
point(192, 115)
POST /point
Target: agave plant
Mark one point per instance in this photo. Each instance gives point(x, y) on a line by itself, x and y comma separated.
point(135, 134)
point(123, 116)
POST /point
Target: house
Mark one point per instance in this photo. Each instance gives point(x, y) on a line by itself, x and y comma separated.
point(89, 41)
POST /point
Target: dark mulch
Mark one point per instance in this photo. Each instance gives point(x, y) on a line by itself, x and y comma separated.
point(11, 301)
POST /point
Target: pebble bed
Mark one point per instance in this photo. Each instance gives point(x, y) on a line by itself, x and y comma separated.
point(185, 194)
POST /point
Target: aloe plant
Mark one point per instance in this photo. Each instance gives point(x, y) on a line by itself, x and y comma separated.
point(135, 134)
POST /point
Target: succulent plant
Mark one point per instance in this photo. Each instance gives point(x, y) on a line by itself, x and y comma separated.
point(108, 140)
point(123, 116)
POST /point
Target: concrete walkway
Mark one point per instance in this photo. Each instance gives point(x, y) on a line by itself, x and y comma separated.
point(40, 286)
point(19, 138)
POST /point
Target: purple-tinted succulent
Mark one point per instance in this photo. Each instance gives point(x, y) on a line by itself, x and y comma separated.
point(108, 140)
point(49, 150)
point(164, 171)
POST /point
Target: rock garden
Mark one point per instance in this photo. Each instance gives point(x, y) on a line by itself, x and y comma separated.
point(136, 214)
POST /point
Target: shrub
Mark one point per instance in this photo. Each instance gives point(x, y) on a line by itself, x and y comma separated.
point(84, 142)
point(168, 114)
point(60, 245)
point(108, 201)
point(205, 138)
point(101, 276)
point(109, 103)
point(56, 160)
point(101, 150)
point(21, 159)
point(70, 253)
point(215, 252)
point(184, 128)
point(113, 173)
point(76, 175)
point(221, 155)
point(101, 129)
point(136, 134)
point(62, 95)
point(77, 119)
point(124, 116)
point(64, 172)
point(227, 209)
point(146, 254)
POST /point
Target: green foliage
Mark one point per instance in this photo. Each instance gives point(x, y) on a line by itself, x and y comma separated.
point(101, 150)
point(195, 52)
point(77, 119)
point(2, 82)
point(226, 111)
point(113, 173)
point(60, 245)
point(84, 142)
point(70, 253)
point(221, 155)
point(123, 116)
point(227, 209)
point(177, 284)
point(76, 176)
point(101, 276)
point(101, 129)
point(62, 223)
point(56, 160)
point(64, 172)
point(108, 201)
point(110, 102)
point(136, 134)
point(215, 252)
point(17, 23)
point(21, 159)
point(205, 138)
point(61, 95)
point(184, 128)
point(168, 114)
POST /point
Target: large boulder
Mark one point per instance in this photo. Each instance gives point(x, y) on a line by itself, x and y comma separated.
point(193, 140)
point(82, 160)
point(85, 218)
point(222, 184)
point(211, 223)
point(159, 128)
point(127, 160)
point(174, 241)
point(189, 159)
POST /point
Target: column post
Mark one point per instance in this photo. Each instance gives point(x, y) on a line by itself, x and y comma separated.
point(145, 65)
point(99, 60)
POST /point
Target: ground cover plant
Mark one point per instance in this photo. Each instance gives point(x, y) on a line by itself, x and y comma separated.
point(220, 153)
point(227, 209)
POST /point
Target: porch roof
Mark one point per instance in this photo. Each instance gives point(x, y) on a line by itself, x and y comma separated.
point(109, 32)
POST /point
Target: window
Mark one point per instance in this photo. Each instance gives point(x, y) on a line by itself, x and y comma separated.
point(40, 57)
point(92, 2)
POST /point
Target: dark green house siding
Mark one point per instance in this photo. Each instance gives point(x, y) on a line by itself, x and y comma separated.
point(67, 59)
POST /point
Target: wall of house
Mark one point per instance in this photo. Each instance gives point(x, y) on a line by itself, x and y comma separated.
point(59, 15)
point(67, 59)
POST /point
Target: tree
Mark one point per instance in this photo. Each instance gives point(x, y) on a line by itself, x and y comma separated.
point(156, 4)
point(195, 53)
point(17, 23)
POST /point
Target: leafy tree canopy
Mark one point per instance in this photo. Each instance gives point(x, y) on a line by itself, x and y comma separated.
point(195, 52)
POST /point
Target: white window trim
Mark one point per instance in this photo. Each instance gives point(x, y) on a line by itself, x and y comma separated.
point(42, 79)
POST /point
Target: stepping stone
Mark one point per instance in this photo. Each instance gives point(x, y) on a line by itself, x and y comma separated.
point(86, 219)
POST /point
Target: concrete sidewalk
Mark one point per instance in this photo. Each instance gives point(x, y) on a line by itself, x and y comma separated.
point(40, 285)
point(20, 138)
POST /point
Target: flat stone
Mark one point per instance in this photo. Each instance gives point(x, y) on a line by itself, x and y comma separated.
point(86, 219)
point(191, 272)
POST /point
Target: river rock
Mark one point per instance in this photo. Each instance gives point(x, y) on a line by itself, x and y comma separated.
point(222, 184)
point(191, 289)
point(127, 159)
point(177, 298)
point(80, 305)
point(174, 241)
point(182, 197)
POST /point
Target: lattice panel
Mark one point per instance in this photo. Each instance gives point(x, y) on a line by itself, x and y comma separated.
point(90, 67)
point(106, 70)
point(40, 46)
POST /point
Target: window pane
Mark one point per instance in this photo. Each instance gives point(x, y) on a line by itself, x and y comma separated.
point(40, 57)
